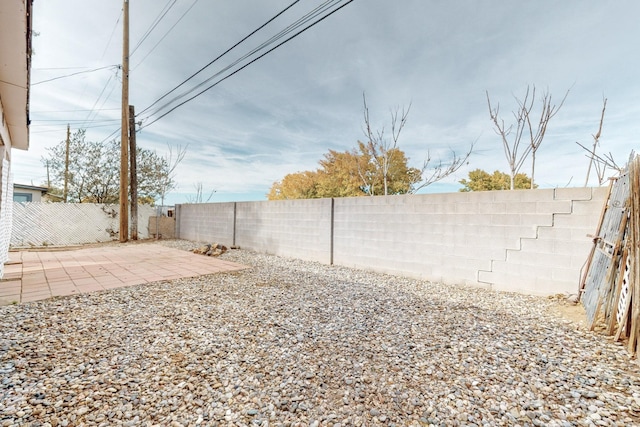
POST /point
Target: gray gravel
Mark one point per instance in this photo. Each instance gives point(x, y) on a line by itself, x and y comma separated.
point(290, 343)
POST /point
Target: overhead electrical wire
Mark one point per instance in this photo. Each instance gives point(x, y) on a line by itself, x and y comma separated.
point(154, 24)
point(59, 128)
point(75, 74)
point(313, 17)
point(165, 34)
point(219, 56)
point(112, 33)
point(93, 108)
point(71, 111)
point(310, 15)
point(58, 68)
point(111, 134)
point(37, 121)
point(306, 18)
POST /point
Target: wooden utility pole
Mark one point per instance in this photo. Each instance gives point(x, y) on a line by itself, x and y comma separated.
point(66, 165)
point(124, 134)
point(134, 171)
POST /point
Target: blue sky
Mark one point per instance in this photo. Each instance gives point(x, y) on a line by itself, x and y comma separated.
point(282, 113)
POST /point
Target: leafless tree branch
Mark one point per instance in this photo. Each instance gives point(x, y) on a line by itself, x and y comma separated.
point(442, 170)
point(600, 167)
point(515, 151)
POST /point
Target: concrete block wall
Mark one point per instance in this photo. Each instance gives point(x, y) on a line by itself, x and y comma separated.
point(450, 238)
point(292, 228)
point(206, 222)
point(162, 227)
point(529, 241)
point(551, 262)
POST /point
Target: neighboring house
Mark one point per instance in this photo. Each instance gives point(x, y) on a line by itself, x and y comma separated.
point(28, 193)
point(15, 72)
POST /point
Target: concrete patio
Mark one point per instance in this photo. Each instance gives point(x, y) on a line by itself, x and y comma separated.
point(33, 275)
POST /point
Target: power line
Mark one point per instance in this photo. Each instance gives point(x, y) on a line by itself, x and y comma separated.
point(59, 68)
point(112, 33)
point(74, 74)
point(154, 24)
point(306, 18)
point(71, 111)
point(60, 127)
point(36, 121)
point(12, 84)
point(249, 63)
point(219, 56)
point(166, 34)
point(93, 108)
point(111, 134)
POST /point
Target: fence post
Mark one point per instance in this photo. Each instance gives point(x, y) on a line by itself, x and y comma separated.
point(234, 222)
point(177, 215)
point(331, 231)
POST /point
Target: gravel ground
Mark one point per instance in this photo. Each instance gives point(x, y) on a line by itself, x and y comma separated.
point(290, 343)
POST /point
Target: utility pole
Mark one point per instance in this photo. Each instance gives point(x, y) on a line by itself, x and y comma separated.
point(66, 165)
point(134, 173)
point(124, 134)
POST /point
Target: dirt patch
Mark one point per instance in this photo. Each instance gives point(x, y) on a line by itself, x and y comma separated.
point(572, 312)
point(564, 307)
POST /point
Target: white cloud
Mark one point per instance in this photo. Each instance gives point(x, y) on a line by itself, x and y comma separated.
point(283, 112)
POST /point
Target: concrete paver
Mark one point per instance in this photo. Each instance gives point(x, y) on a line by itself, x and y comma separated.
point(37, 275)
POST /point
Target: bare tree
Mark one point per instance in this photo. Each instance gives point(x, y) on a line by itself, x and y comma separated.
point(600, 167)
point(381, 150)
point(601, 163)
point(516, 151)
point(199, 197)
point(167, 178)
point(441, 170)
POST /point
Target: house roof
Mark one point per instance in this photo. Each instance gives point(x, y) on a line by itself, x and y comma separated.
point(29, 187)
point(15, 68)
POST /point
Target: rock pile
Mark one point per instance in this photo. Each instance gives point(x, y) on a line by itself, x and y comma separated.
point(215, 249)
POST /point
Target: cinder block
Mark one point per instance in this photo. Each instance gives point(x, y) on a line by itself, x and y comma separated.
point(540, 259)
point(575, 193)
point(465, 208)
point(537, 245)
point(544, 287)
point(554, 207)
point(570, 247)
point(508, 282)
point(600, 193)
point(523, 270)
point(507, 196)
point(485, 276)
point(566, 275)
point(486, 231)
point(504, 219)
point(493, 208)
point(536, 219)
point(518, 231)
point(575, 221)
point(520, 207)
point(591, 207)
point(524, 195)
point(556, 232)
